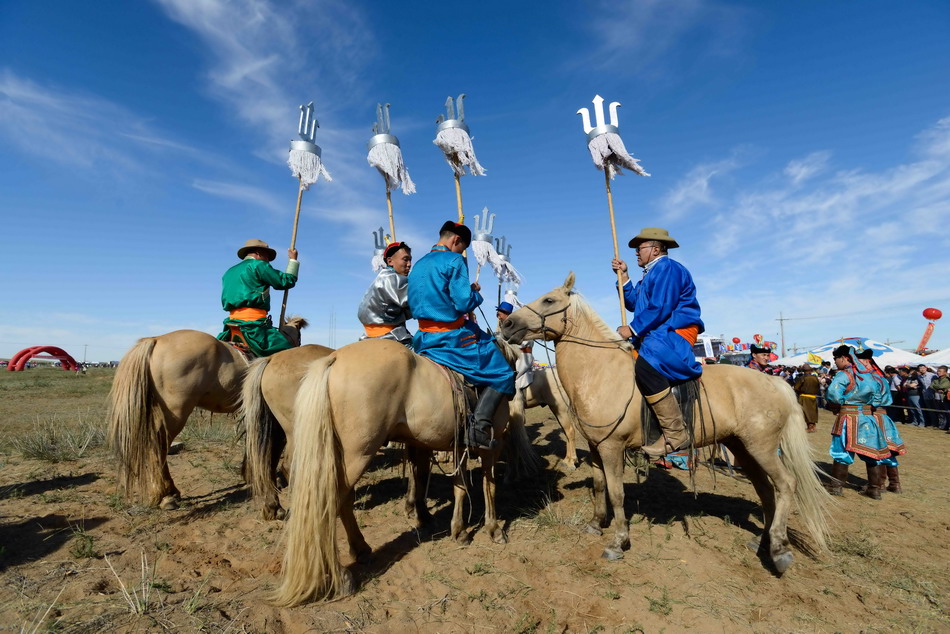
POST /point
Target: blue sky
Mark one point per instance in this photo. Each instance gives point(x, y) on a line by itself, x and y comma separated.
point(800, 154)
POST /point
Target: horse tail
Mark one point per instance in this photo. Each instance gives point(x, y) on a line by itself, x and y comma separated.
point(796, 454)
point(258, 433)
point(132, 436)
point(311, 569)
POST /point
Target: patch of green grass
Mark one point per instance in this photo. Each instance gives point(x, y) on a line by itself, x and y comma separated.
point(612, 595)
point(84, 544)
point(859, 544)
point(52, 441)
point(662, 605)
point(480, 569)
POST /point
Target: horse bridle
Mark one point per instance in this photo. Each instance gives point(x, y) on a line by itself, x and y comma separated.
point(575, 339)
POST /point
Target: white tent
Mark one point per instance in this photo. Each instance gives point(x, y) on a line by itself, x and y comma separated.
point(938, 358)
point(883, 353)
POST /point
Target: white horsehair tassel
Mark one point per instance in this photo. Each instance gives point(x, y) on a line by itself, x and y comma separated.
point(387, 158)
point(378, 262)
point(459, 152)
point(306, 166)
point(608, 152)
point(512, 299)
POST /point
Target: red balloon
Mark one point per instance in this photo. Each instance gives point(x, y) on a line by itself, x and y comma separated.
point(736, 340)
point(932, 314)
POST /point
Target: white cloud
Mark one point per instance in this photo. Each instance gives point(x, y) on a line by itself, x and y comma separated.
point(800, 170)
point(76, 130)
point(820, 243)
point(694, 189)
point(643, 35)
point(246, 194)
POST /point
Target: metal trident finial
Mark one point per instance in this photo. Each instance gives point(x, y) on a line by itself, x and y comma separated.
point(307, 128)
point(598, 102)
point(379, 239)
point(486, 224)
point(502, 247)
point(382, 119)
point(454, 110)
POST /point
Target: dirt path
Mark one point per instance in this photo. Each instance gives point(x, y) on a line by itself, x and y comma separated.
point(67, 541)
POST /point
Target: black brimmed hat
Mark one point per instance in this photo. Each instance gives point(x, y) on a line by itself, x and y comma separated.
point(458, 229)
point(754, 349)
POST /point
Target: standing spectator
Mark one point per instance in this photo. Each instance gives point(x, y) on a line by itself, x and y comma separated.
point(808, 387)
point(926, 377)
point(894, 381)
point(941, 387)
point(825, 368)
point(912, 391)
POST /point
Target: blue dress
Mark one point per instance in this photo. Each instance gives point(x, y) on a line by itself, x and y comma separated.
point(440, 291)
point(663, 302)
point(862, 427)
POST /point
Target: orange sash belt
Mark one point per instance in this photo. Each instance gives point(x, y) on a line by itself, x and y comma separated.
point(428, 325)
point(378, 330)
point(690, 333)
point(248, 314)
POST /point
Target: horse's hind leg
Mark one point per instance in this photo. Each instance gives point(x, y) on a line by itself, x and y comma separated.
point(495, 531)
point(762, 464)
point(420, 462)
point(458, 512)
point(169, 425)
point(359, 549)
point(599, 488)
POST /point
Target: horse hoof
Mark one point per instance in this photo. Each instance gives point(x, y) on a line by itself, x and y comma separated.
point(593, 529)
point(499, 537)
point(281, 514)
point(612, 554)
point(569, 466)
point(783, 562)
point(364, 558)
point(463, 538)
point(347, 583)
point(169, 503)
point(754, 545)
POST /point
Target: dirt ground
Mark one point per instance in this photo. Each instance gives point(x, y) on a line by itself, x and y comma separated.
point(74, 557)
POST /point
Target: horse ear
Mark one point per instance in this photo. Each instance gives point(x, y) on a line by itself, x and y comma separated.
point(569, 282)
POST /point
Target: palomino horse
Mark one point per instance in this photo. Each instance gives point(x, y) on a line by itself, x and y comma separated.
point(348, 406)
point(159, 383)
point(545, 391)
point(755, 416)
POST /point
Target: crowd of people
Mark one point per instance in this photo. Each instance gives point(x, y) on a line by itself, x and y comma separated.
point(919, 393)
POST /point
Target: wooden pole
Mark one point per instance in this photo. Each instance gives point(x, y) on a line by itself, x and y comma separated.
point(293, 245)
point(458, 198)
point(613, 230)
point(389, 205)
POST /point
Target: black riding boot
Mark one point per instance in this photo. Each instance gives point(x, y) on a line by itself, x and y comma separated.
point(480, 429)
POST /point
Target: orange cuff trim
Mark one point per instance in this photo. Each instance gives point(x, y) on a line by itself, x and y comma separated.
point(248, 314)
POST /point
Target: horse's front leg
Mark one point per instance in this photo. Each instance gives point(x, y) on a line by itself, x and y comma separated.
point(599, 488)
point(495, 531)
point(458, 512)
point(612, 458)
point(420, 461)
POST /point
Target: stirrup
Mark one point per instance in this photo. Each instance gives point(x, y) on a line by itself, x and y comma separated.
point(477, 438)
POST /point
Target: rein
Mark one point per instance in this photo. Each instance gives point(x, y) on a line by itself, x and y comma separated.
point(575, 339)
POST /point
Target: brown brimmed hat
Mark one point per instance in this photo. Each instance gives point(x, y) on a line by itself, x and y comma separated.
point(257, 245)
point(653, 234)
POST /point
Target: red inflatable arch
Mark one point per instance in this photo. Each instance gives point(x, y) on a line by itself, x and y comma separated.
point(19, 360)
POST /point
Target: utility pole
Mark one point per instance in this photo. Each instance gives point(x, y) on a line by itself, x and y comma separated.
point(781, 324)
point(85, 347)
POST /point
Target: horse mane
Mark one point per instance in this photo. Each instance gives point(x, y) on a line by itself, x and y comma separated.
point(580, 308)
